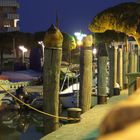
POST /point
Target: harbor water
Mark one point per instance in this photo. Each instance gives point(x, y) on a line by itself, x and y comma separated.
point(21, 125)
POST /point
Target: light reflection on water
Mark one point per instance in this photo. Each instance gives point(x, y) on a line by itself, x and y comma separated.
point(16, 125)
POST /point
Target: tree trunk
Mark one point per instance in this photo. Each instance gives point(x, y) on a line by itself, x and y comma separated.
point(1, 60)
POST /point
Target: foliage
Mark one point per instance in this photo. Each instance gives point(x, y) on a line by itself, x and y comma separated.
point(121, 18)
point(5, 42)
point(108, 36)
point(39, 36)
point(21, 38)
point(68, 42)
point(35, 59)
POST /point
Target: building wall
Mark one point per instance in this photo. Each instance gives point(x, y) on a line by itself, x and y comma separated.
point(9, 16)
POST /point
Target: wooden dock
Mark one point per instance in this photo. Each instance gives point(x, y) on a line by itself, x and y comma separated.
point(86, 129)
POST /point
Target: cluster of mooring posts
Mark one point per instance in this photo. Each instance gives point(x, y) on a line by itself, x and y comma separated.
point(119, 55)
point(124, 66)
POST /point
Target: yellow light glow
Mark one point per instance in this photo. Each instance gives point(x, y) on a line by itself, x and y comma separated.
point(79, 42)
point(23, 49)
point(94, 51)
point(79, 37)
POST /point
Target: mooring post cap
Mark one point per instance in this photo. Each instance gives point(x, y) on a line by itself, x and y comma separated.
point(53, 37)
point(117, 85)
point(74, 109)
point(88, 41)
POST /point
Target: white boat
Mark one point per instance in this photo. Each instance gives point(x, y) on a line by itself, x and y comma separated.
point(68, 97)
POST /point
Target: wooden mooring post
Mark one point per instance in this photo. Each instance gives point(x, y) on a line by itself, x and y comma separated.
point(102, 74)
point(86, 74)
point(51, 76)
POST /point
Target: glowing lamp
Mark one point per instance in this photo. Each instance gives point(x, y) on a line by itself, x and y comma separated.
point(79, 37)
point(23, 49)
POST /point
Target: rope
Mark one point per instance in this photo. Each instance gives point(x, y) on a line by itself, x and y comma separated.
point(42, 112)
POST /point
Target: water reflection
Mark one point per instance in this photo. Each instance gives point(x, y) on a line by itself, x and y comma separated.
point(21, 125)
point(16, 125)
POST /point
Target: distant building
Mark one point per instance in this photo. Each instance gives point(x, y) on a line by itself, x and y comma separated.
point(9, 16)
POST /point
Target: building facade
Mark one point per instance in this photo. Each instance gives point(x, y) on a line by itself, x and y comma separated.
point(9, 16)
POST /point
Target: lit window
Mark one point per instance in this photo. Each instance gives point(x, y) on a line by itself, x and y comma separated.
point(15, 22)
point(7, 25)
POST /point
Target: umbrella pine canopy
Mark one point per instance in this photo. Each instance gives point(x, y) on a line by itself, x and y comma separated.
point(123, 18)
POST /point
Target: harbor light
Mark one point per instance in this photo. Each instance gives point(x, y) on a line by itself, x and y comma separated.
point(94, 51)
point(79, 36)
point(23, 49)
point(43, 46)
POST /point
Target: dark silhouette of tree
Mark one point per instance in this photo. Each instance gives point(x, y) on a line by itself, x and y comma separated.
point(39, 36)
point(108, 36)
point(21, 38)
point(5, 46)
point(35, 59)
point(68, 45)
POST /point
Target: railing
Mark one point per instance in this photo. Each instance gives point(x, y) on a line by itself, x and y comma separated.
point(132, 81)
point(9, 3)
point(12, 16)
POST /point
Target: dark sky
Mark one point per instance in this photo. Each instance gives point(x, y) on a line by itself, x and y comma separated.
point(74, 15)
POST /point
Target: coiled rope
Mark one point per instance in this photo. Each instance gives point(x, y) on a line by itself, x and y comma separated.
point(37, 110)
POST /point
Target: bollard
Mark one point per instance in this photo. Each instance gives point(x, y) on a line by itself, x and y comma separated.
point(117, 89)
point(74, 113)
point(102, 99)
point(102, 74)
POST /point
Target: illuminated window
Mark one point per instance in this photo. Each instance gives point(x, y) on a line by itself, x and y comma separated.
point(7, 25)
point(15, 22)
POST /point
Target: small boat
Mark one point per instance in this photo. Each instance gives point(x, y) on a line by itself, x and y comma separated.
point(69, 94)
point(68, 98)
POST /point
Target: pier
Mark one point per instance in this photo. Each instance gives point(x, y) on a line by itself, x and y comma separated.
point(87, 128)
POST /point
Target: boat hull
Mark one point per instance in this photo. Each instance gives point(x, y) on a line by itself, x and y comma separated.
point(72, 100)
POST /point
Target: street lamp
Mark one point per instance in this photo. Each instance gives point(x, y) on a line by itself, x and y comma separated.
point(79, 37)
point(43, 46)
point(23, 49)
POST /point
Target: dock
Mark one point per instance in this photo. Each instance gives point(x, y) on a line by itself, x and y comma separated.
point(87, 128)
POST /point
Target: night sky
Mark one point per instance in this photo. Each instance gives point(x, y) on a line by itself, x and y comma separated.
point(74, 15)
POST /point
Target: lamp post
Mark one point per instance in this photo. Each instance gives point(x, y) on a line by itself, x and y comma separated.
point(43, 46)
point(23, 49)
